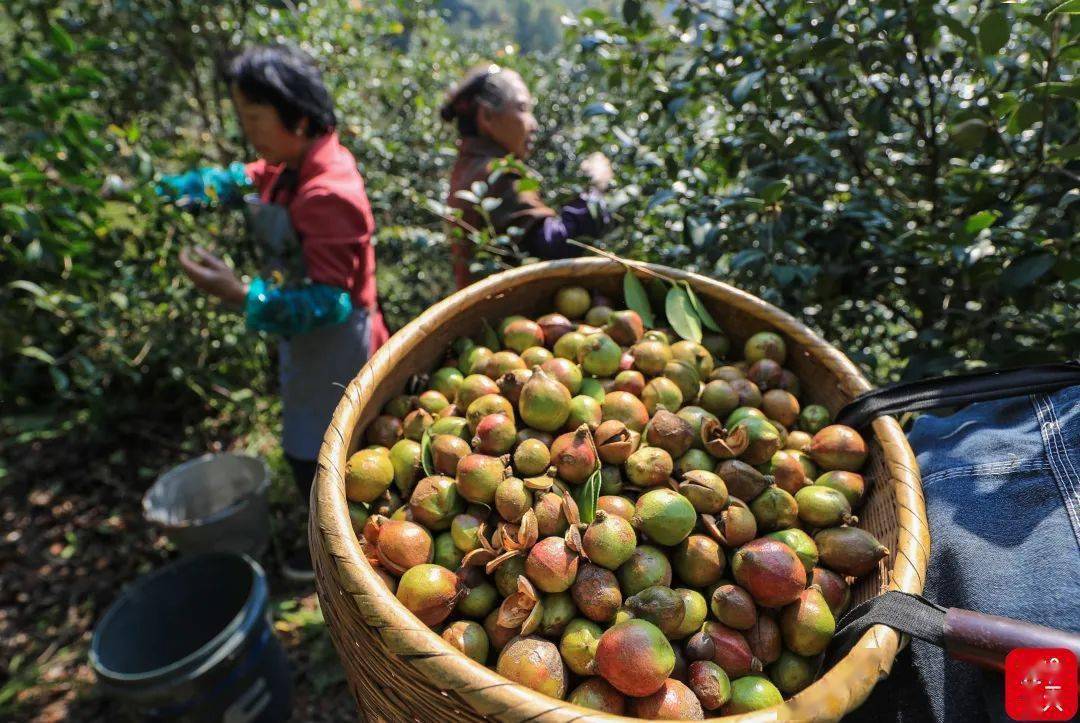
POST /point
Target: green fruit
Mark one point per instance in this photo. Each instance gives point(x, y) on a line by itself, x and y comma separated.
point(750, 693)
point(572, 301)
point(718, 398)
point(661, 392)
point(435, 502)
point(660, 605)
point(472, 388)
point(513, 499)
point(465, 531)
point(850, 484)
point(698, 561)
point(534, 663)
point(531, 458)
point(405, 457)
point(765, 345)
point(578, 646)
point(742, 413)
point(474, 359)
point(717, 344)
point(695, 610)
point(469, 638)
point(694, 354)
point(565, 372)
point(428, 591)
point(479, 601)
point(696, 417)
point(447, 553)
point(569, 345)
point(705, 490)
point(650, 356)
point(368, 474)
point(775, 509)
point(635, 657)
point(649, 466)
point(544, 403)
point(793, 470)
point(821, 506)
point(454, 426)
point(695, 460)
point(584, 410)
point(665, 516)
point(791, 672)
point(592, 388)
point(486, 406)
point(520, 334)
point(609, 541)
point(813, 418)
point(598, 694)
point(686, 378)
point(433, 401)
point(647, 566)
point(801, 543)
point(807, 624)
point(536, 356)
point(506, 575)
point(400, 405)
point(478, 477)
point(765, 440)
point(626, 408)
point(599, 355)
point(559, 610)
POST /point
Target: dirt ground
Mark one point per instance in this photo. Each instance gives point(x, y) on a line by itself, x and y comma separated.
point(72, 537)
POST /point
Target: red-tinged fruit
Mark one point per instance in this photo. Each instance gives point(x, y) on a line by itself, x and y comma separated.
point(551, 565)
point(635, 657)
point(733, 653)
point(535, 663)
point(674, 701)
point(734, 607)
point(835, 589)
point(710, 684)
point(599, 695)
point(574, 455)
point(770, 571)
point(839, 447)
point(429, 592)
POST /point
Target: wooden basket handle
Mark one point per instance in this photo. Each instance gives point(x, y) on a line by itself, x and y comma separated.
point(985, 640)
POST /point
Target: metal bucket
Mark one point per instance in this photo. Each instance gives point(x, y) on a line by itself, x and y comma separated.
point(216, 503)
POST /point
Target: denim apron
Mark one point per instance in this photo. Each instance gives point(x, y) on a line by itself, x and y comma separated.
point(313, 367)
point(1002, 486)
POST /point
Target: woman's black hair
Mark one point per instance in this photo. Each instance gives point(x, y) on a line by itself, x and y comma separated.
point(487, 83)
point(288, 79)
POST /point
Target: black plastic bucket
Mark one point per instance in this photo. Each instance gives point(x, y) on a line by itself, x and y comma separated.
point(192, 642)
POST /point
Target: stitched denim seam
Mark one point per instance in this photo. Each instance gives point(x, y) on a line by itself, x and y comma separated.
point(1050, 428)
point(1018, 465)
point(1069, 475)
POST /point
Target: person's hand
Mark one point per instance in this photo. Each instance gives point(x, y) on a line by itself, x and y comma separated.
point(597, 168)
point(211, 275)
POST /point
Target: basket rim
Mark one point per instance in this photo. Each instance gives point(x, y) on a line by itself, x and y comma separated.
point(839, 690)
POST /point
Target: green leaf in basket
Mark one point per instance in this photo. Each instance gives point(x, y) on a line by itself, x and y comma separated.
point(590, 493)
point(488, 336)
point(700, 310)
point(637, 299)
point(680, 314)
point(425, 454)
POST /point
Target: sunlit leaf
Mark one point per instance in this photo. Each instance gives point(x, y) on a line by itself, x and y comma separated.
point(637, 299)
point(983, 219)
point(587, 497)
point(1069, 7)
point(699, 308)
point(680, 314)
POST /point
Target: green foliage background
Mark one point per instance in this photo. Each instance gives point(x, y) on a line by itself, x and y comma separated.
point(902, 174)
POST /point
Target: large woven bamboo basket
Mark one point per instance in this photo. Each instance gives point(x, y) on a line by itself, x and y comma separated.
point(398, 669)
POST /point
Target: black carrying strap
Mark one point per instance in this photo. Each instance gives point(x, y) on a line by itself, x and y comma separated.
point(911, 614)
point(957, 390)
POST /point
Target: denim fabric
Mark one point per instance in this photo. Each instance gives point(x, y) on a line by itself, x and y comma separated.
point(1002, 487)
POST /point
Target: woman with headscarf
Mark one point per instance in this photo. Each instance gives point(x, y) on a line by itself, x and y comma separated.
point(493, 110)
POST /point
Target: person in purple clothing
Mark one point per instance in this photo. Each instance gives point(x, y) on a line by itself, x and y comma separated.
point(493, 111)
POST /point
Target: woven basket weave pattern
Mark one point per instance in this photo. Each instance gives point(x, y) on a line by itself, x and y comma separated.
point(398, 669)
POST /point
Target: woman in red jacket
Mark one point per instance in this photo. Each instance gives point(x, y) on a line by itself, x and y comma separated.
point(312, 223)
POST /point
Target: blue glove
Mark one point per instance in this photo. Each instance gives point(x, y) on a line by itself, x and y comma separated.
point(292, 311)
point(206, 186)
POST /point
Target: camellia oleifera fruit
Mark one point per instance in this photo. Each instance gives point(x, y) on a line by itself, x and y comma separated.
point(640, 524)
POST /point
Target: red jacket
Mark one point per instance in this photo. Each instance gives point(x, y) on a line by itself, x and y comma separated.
point(332, 216)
